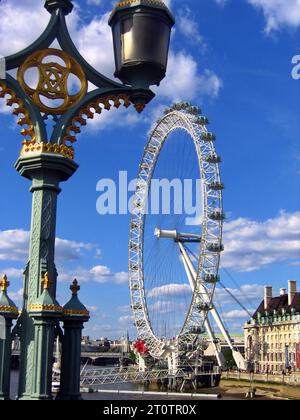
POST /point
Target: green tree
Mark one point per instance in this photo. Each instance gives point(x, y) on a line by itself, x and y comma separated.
point(229, 360)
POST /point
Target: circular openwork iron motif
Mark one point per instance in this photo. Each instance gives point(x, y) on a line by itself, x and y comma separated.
point(52, 80)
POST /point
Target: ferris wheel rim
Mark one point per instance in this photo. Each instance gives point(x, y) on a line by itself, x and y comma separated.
point(171, 121)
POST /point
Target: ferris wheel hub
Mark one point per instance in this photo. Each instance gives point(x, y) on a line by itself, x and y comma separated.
point(169, 234)
point(178, 237)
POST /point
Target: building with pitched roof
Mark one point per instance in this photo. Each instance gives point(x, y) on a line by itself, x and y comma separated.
point(272, 336)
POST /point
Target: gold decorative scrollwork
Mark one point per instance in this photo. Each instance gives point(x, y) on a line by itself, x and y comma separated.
point(19, 111)
point(91, 110)
point(42, 147)
point(35, 307)
point(10, 309)
point(53, 81)
point(125, 3)
point(75, 312)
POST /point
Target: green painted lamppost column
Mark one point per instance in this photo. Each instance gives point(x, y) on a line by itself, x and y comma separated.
point(8, 312)
point(46, 170)
point(75, 315)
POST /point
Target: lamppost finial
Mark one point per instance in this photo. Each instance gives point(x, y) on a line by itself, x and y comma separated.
point(65, 5)
point(75, 287)
point(46, 281)
point(4, 283)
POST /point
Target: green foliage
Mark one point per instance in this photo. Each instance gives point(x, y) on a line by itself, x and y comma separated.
point(230, 362)
point(132, 357)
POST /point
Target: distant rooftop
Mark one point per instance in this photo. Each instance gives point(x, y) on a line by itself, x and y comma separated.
point(278, 303)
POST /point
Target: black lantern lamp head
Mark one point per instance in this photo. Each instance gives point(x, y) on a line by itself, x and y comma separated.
point(141, 33)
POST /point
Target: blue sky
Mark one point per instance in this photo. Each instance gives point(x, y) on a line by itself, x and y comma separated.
point(233, 59)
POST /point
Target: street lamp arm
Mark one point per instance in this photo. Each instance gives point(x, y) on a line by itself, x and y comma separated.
point(69, 125)
point(48, 36)
point(66, 43)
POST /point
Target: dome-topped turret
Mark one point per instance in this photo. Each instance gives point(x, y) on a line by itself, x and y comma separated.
point(7, 306)
point(74, 307)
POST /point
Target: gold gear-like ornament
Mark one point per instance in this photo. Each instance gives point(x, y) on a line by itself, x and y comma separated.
point(53, 80)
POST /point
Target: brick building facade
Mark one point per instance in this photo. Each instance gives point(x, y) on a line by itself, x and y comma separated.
point(272, 336)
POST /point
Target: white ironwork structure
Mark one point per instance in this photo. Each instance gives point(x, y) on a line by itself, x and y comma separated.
point(192, 276)
point(180, 117)
point(96, 377)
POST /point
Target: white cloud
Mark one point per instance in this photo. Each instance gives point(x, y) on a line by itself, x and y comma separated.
point(170, 290)
point(107, 328)
point(121, 277)
point(14, 246)
point(17, 297)
point(247, 293)
point(126, 319)
point(15, 37)
point(252, 245)
point(92, 309)
point(249, 246)
point(98, 274)
point(102, 274)
point(70, 250)
point(4, 109)
point(237, 314)
point(94, 41)
point(164, 307)
point(13, 273)
point(113, 118)
point(94, 2)
point(188, 26)
point(100, 271)
point(183, 81)
point(221, 2)
point(279, 13)
point(123, 309)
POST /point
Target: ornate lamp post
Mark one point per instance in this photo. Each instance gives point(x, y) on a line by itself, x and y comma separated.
point(141, 32)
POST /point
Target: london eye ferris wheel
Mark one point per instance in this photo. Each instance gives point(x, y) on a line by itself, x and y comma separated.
point(174, 250)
